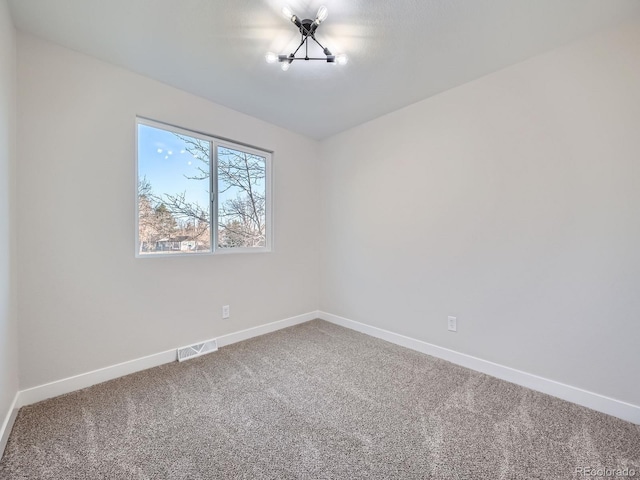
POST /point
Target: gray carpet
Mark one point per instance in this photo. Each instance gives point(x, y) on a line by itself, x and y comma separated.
point(313, 401)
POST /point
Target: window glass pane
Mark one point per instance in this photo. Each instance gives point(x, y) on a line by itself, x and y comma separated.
point(241, 199)
point(173, 192)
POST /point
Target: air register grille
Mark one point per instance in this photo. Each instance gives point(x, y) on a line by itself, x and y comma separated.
point(196, 350)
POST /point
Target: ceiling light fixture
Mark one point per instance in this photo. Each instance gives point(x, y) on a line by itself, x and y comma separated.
point(307, 29)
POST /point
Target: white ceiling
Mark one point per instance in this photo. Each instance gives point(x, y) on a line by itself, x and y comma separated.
point(400, 51)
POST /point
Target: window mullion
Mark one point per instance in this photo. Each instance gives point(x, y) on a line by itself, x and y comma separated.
point(213, 175)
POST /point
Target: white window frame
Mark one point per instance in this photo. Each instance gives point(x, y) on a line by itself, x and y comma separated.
point(213, 189)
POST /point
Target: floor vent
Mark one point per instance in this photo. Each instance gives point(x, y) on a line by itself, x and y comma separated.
point(197, 349)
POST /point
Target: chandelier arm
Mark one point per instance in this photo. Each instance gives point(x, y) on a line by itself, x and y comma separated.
point(314, 39)
point(301, 43)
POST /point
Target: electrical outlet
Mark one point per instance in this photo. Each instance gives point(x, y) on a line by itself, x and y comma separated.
point(225, 311)
point(453, 324)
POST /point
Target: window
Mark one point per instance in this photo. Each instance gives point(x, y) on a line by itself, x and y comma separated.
point(198, 194)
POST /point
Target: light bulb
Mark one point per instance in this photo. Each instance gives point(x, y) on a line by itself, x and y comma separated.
point(342, 59)
point(322, 15)
point(285, 66)
point(271, 57)
point(286, 11)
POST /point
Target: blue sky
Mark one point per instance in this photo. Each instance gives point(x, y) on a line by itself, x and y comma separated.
point(164, 161)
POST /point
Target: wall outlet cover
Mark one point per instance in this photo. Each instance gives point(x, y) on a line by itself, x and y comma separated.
point(452, 323)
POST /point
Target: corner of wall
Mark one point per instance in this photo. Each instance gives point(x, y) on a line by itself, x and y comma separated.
point(9, 375)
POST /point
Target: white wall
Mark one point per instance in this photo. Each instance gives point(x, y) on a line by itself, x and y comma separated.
point(85, 302)
point(512, 202)
point(8, 326)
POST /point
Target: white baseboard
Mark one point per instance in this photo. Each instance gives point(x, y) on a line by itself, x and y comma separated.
point(7, 424)
point(595, 401)
point(84, 380)
point(267, 328)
